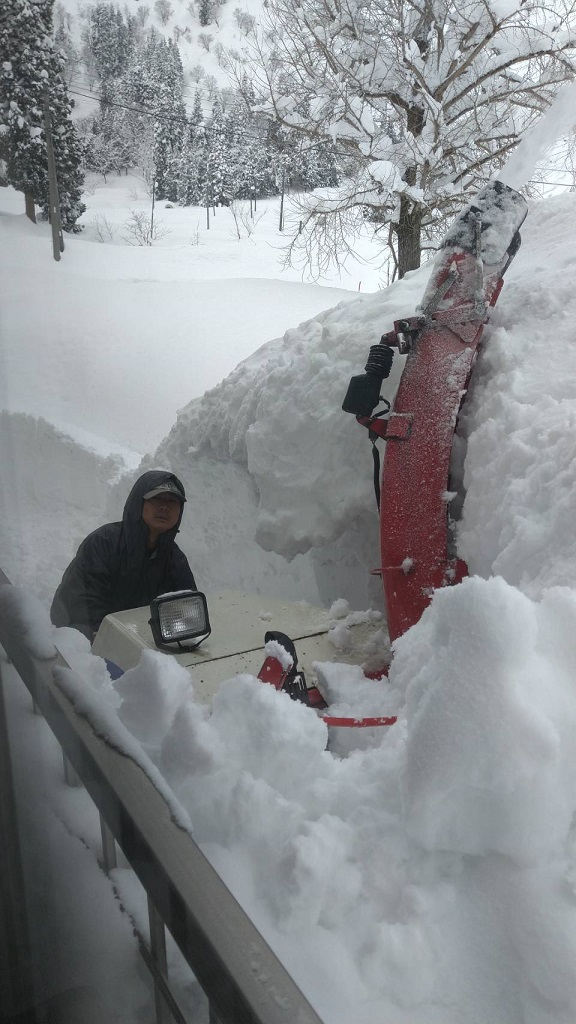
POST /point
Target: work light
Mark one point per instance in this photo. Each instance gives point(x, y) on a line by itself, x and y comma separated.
point(180, 616)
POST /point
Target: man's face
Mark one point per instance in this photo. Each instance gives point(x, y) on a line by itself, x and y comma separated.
point(162, 512)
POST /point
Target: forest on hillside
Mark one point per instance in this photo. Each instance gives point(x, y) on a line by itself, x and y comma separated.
point(223, 149)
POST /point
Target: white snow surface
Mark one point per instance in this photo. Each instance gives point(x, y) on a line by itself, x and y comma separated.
point(424, 873)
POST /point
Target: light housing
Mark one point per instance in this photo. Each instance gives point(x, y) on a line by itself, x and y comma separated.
point(180, 616)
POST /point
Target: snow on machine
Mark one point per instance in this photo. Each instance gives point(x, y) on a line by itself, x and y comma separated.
point(218, 638)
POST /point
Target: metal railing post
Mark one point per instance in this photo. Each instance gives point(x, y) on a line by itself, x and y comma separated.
point(158, 952)
point(109, 860)
point(17, 980)
point(70, 776)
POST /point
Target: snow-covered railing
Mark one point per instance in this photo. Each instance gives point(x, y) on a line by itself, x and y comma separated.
point(243, 979)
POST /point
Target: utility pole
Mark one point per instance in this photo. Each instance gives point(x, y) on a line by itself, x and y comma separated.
point(281, 221)
point(57, 236)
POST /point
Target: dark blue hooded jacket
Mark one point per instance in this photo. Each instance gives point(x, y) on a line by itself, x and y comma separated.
point(114, 570)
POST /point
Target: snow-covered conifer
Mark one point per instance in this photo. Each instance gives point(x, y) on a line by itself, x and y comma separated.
point(205, 10)
point(192, 162)
point(108, 38)
point(64, 44)
point(30, 69)
point(169, 119)
point(219, 185)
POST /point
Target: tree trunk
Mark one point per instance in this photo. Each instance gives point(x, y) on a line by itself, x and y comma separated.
point(409, 227)
point(29, 207)
point(408, 233)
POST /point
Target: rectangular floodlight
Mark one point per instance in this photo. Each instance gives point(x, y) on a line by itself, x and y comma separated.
point(179, 617)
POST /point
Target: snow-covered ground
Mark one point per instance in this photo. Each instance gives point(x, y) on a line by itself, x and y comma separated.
point(140, 331)
point(429, 875)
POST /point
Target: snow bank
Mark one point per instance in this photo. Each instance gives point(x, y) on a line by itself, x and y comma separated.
point(491, 718)
point(53, 493)
point(429, 877)
point(279, 414)
point(520, 474)
point(301, 469)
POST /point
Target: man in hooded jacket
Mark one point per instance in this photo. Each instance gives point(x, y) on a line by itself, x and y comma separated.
point(125, 565)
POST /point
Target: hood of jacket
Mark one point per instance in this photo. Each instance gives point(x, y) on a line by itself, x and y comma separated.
point(133, 527)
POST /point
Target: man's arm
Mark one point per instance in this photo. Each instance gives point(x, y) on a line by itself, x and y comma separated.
point(82, 599)
point(182, 577)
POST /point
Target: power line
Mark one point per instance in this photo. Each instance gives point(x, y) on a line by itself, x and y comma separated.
point(555, 184)
point(156, 114)
point(183, 120)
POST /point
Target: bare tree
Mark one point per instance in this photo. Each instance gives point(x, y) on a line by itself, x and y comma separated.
point(205, 40)
point(424, 99)
point(246, 22)
point(197, 73)
point(210, 83)
point(164, 10)
point(142, 230)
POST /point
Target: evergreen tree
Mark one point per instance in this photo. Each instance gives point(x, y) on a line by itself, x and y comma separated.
point(219, 190)
point(170, 119)
point(205, 10)
point(318, 166)
point(145, 71)
point(245, 151)
point(30, 68)
point(109, 40)
point(64, 44)
point(284, 158)
point(196, 118)
point(192, 164)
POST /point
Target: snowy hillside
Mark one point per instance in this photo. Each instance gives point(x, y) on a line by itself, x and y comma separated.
point(200, 46)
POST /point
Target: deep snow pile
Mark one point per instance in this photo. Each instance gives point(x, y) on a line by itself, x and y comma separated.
point(277, 418)
point(429, 877)
point(521, 466)
point(275, 425)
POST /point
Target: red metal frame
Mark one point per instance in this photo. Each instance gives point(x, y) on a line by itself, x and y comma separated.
point(420, 430)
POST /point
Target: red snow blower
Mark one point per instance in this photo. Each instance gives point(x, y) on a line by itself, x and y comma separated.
point(440, 344)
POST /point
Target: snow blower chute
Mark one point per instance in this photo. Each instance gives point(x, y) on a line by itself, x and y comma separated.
point(441, 344)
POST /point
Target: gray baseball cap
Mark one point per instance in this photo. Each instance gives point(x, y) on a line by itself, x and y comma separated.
point(168, 488)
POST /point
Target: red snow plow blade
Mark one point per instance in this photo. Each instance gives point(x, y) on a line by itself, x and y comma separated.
point(441, 344)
